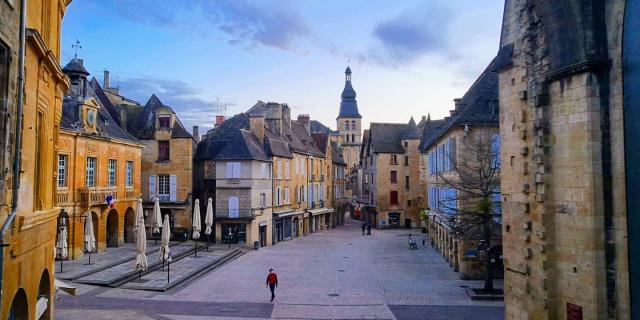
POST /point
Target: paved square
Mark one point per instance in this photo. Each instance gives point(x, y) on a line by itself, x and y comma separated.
point(335, 274)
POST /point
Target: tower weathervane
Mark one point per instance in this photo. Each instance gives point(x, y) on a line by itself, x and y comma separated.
point(76, 46)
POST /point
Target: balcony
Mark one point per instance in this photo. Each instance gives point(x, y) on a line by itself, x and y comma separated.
point(131, 194)
point(63, 196)
point(236, 214)
point(97, 195)
point(233, 181)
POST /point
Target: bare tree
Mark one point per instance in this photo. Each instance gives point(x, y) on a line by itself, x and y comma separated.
point(475, 208)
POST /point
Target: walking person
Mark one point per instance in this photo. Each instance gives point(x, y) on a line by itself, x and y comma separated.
point(368, 228)
point(364, 226)
point(272, 283)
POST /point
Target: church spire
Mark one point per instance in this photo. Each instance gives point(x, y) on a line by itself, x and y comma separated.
point(348, 105)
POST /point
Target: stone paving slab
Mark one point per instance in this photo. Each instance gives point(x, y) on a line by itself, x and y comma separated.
point(178, 271)
point(447, 312)
point(118, 272)
point(74, 269)
point(101, 315)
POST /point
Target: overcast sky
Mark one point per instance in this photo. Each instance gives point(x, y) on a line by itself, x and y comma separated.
point(408, 57)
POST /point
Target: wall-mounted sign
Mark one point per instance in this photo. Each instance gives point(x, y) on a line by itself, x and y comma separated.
point(574, 312)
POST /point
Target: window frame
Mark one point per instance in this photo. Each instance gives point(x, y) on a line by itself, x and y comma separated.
point(93, 169)
point(128, 174)
point(161, 179)
point(161, 157)
point(161, 119)
point(62, 176)
point(394, 176)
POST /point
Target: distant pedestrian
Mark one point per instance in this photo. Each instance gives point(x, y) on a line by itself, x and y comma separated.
point(368, 228)
point(432, 243)
point(364, 226)
point(272, 283)
point(424, 241)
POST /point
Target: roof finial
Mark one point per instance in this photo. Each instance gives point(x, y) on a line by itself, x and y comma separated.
point(428, 116)
point(76, 46)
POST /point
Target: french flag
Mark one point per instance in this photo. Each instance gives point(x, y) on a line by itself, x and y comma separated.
point(110, 201)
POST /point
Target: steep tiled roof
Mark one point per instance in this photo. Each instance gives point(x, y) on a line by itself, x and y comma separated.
point(318, 127)
point(303, 136)
point(114, 111)
point(231, 141)
point(144, 127)
point(387, 137)
point(321, 140)
point(336, 154)
point(106, 126)
point(431, 130)
point(479, 105)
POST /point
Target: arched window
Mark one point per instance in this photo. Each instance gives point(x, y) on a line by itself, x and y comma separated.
point(353, 124)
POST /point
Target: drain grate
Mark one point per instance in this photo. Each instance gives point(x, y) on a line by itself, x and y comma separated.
point(341, 270)
point(333, 295)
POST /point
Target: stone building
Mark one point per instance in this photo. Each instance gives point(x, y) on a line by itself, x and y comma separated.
point(333, 176)
point(96, 158)
point(452, 140)
point(349, 125)
point(569, 116)
point(390, 186)
point(31, 110)
point(167, 161)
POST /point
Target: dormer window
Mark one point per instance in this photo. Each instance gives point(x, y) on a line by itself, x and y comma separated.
point(164, 122)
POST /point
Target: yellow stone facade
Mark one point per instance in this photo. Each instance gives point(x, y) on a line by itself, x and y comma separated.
point(112, 226)
point(28, 261)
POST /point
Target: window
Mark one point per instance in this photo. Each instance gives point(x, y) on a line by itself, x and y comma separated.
point(408, 203)
point(442, 199)
point(394, 159)
point(394, 177)
point(495, 151)
point(263, 200)
point(62, 170)
point(353, 137)
point(129, 177)
point(163, 150)
point(406, 160)
point(91, 172)
point(164, 187)
point(111, 172)
point(278, 197)
point(346, 125)
point(266, 171)
point(406, 144)
point(406, 182)
point(164, 122)
point(286, 195)
point(279, 169)
point(234, 207)
point(393, 197)
point(233, 170)
point(353, 125)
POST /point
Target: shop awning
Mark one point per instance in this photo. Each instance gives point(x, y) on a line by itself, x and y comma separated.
point(316, 212)
point(286, 213)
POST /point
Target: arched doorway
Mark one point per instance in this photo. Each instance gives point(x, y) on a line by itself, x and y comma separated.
point(129, 223)
point(96, 225)
point(44, 294)
point(20, 306)
point(112, 229)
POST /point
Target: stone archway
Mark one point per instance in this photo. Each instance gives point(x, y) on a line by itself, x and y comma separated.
point(129, 223)
point(44, 292)
point(20, 306)
point(111, 229)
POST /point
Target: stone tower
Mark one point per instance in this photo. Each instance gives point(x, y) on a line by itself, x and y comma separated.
point(349, 123)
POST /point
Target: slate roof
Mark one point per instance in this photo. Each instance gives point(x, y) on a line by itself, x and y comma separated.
point(300, 132)
point(144, 127)
point(348, 104)
point(387, 137)
point(321, 140)
point(106, 126)
point(75, 66)
point(113, 110)
point(231, 141)
point(479, 105)
point(336, 154)
point(317, 126)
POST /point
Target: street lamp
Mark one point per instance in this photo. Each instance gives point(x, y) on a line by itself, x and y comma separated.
point(482, 250)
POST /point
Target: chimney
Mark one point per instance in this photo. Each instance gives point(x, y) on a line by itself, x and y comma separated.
point(123, 119)
point(196, 134)
point(458, 103)
point(305, 120)
point(256, 125)
point(105, 80)
point(219, 121)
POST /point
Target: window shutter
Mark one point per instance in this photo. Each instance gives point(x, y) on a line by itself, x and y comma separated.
point(234, 204)
point(152, 187)
point(173, 183)
point(286, 195)
point(229, 170)
point(286, 169)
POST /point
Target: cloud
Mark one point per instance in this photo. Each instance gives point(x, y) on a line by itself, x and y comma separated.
point(412, 34)
point(244, 23)
point(179, 95)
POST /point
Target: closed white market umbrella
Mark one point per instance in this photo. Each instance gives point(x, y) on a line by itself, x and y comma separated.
point(157, 217)
point(141, 248)
point(139, 216)
point(208, 220)
point(165, 253)
point(89, 238)
point(62, 248)
point(196, 221)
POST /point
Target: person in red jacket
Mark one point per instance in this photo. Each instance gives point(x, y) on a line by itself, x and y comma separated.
point(272, 283)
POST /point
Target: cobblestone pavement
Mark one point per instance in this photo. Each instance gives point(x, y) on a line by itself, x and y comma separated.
point(335, 274)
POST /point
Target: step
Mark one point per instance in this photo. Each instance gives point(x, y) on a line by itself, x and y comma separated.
point(185, 269)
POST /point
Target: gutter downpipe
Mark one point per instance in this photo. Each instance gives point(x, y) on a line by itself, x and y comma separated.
point(17, 144)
